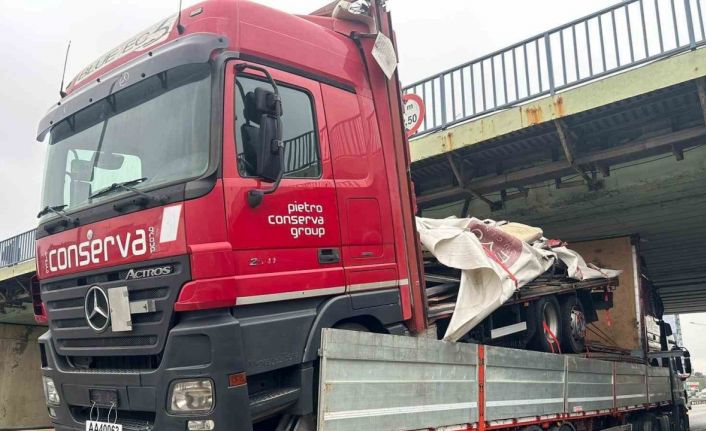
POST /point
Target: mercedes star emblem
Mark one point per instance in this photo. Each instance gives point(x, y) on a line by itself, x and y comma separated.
point(97, 309)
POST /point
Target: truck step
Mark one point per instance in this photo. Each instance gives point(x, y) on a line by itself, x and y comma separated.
point(268, 402)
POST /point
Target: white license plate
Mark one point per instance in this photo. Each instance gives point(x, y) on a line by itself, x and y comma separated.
point(102, 426)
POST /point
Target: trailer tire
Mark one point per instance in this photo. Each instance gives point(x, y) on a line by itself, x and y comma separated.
point(547, 312)
point(684, 415)
point(646, 422)
point(566, 426)
point(573, 325)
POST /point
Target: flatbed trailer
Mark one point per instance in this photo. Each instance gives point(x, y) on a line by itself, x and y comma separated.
point(385, 382)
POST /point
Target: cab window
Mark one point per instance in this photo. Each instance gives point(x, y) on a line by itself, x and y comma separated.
point(301, 148)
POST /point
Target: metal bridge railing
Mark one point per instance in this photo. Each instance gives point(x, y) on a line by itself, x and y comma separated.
point(17, 249)
point(613, 39)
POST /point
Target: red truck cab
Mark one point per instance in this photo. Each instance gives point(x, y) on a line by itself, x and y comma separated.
point(180, 290)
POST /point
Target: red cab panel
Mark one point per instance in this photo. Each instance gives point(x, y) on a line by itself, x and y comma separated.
point(136, 237)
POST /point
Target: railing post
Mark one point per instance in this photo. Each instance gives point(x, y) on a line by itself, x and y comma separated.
point(690, 24)
point(550, 65)
point(442, 96)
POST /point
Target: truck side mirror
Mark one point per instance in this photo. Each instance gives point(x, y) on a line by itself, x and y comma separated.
point(687, 362)
point(264, 108)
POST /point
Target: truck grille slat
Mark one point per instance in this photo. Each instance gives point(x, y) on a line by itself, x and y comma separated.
point(109, 342)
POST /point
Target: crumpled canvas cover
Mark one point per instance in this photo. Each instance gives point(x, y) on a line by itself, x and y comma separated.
point(494, 264)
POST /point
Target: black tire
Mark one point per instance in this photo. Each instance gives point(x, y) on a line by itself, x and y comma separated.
point(573, 325)
point(645, 422)
point(685, 426)
point(547, 311)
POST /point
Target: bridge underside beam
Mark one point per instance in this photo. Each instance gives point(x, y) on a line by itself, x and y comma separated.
point(15, 295)
point(549, 171)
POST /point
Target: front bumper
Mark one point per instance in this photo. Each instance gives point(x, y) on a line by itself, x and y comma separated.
point(204, 344)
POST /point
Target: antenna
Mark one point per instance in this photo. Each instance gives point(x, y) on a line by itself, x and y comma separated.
point(180, 28)
point(62, 93)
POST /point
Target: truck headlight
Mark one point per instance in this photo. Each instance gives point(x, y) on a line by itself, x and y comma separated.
point(191, 396)
point(50, 392)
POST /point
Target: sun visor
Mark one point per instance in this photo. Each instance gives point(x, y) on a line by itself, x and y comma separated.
point(194, 48)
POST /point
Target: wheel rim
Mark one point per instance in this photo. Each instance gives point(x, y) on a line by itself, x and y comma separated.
point(578, 323)
point(551, 318)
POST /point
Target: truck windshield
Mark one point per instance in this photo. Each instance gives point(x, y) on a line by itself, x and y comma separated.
point(156, 131)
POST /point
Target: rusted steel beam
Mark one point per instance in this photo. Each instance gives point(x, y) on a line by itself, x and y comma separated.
point(462, 183)
point(560, 168)
point(567, 144)
point(701, 89)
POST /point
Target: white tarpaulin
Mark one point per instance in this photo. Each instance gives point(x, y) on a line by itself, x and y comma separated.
point(494, 263)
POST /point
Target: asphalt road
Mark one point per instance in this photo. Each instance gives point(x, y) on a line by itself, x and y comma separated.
point(697, 418)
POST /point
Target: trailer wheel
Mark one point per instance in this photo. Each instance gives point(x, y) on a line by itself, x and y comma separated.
point(684, 422)
point(573, 325)
point(548, 330)
point(645, 422)
point(566, 426)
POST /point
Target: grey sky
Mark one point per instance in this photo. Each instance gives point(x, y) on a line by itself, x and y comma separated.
point(432, 35)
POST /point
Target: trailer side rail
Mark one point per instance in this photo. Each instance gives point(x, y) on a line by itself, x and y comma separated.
point(386, 383)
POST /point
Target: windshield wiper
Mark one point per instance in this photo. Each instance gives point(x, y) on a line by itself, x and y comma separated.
point(125, 185)
point(58, 210)
point(128, 185)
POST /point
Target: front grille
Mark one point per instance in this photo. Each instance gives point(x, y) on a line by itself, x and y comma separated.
point(108, 342)
point(130, 420)
point(66, 303)
point(72, 336)
point(114, 364)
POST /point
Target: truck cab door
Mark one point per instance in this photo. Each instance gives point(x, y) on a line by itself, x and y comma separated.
point(289, 246)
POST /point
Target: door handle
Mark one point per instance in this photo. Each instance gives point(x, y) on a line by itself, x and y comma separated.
point(329, 255)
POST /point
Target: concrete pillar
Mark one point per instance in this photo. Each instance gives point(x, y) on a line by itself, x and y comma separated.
point(21, 394)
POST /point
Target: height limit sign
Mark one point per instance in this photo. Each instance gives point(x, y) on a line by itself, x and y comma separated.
point(413, 113)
